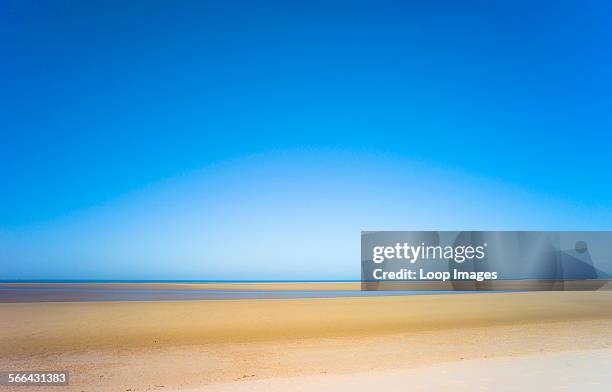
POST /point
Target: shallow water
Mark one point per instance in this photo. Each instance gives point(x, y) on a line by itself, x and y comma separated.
point(71, 294)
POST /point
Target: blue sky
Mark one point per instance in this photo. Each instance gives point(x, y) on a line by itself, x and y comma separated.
point(231, 140)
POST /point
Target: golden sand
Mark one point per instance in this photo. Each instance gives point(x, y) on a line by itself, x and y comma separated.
point(195, 344)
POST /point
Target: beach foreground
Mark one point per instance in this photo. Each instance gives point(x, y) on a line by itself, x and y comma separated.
point(566, 371)
point(315, 344)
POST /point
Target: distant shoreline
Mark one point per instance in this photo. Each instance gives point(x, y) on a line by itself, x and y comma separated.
point(31, 292)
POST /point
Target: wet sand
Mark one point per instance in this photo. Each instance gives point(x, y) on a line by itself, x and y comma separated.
point(176, 291)
point(181, 291)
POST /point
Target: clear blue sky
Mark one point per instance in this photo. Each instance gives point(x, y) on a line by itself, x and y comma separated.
point(230, 140)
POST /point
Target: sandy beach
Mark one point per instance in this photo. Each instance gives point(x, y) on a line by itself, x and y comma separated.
point(565, 371)
point(312, 344)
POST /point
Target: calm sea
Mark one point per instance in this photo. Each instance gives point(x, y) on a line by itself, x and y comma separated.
point(67, 292)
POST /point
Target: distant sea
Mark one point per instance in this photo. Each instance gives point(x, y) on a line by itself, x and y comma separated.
point(65, 291)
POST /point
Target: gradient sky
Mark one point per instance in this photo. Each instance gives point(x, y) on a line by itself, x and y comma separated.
point(255, 140)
